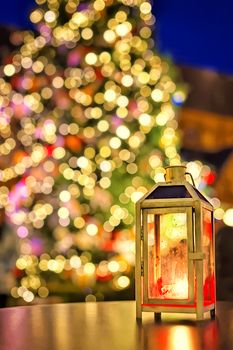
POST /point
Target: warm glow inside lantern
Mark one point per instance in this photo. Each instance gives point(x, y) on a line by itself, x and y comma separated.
point(175, 249)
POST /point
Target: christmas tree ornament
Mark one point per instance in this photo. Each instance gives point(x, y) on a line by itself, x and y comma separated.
point(175, 261)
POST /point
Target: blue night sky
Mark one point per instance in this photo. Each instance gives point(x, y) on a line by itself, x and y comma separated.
point(194, 32)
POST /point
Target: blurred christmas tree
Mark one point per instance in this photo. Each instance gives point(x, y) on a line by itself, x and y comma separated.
point(87, 125)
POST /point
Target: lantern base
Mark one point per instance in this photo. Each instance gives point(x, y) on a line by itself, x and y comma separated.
point(186, 309)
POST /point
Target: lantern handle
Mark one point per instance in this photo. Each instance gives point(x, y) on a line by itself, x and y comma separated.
point(191, 178)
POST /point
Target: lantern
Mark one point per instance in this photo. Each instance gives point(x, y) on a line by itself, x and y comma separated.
point(175, 249)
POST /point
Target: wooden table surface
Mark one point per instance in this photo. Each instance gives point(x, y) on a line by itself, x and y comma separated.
point(110, 326)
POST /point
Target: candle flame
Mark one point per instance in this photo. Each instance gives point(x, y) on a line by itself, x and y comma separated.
point(177, 290)
point(181, 288)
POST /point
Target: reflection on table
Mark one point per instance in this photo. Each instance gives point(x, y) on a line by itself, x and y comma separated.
point(110, 325)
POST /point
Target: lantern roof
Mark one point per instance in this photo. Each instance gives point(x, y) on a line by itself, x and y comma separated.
point(175, 187)
point(174, 190)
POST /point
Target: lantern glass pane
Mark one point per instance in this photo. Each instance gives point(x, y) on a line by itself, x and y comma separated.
point(167, 256)
point(208, 263)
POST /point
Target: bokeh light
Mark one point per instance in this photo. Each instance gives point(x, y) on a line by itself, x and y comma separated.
point(87, 127)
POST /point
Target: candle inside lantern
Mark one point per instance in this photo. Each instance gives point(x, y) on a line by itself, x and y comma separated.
point(178, 290)
point(181, 288)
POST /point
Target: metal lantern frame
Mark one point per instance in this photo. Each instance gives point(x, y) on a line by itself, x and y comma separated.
point(194, 207)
